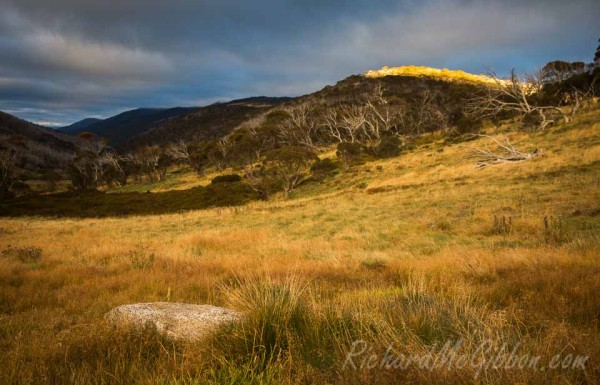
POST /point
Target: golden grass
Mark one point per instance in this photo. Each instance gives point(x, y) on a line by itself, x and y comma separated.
point(411, 260)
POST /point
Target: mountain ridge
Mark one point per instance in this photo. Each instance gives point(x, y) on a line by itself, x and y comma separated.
point(39, 146)
point(79, 125)
point(119, 128)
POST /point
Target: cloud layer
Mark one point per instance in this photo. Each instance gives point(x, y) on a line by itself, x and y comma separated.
point(63, 60)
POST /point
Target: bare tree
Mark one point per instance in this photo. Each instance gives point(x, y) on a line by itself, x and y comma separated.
point(573, 100)
point(301, 129)
point(353, 121)
point(148, 157)
point(331, 121)
point(223, 148)
point(369, 121)
point(425, 115)
point(179, 150)
point(88, 167)
point(8, 165)
point(515, 96)
point(380, 116)
point(194, 155)
point(261, 142)
point(131, 166)
point(114, 169)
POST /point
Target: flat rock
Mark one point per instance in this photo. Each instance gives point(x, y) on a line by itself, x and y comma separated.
point(179, 321)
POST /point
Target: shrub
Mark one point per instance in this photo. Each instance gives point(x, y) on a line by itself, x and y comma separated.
point(349, 154)
point(466, 125)
point(226, 178)
point(289, 166)
point(21, 188)
point(389, 147)
point(323, 168)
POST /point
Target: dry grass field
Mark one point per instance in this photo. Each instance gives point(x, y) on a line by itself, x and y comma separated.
point(410, 253)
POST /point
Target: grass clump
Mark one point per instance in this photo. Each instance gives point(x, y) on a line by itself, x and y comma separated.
point(23, 254)
point(141, 258)
point(501, 225)
point(555, 230)
point(106, 355)
point(275, 315)
point(373, 264)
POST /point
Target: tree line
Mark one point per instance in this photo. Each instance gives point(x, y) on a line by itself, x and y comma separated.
point(278, 151)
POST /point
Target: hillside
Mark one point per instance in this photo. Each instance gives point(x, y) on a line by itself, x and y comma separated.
point(218, 120)
point(79, 126)
point(39, 147)
point(400, 89)
point(119, 128)
point(409, 252)
point(210, 122)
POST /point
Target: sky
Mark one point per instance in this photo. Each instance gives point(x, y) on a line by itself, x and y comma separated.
point(65, 60)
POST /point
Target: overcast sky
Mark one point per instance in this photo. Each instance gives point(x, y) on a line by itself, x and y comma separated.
point(64, 60)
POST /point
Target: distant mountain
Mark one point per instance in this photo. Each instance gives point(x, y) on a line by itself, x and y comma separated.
point(210, 122)
point(126, 125)
point(258, 100)
point(79, 126)
point(38, 147)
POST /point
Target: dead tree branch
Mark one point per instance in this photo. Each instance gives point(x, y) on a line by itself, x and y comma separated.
point(506, 152)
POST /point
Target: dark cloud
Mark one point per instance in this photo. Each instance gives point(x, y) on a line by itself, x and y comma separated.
point(90, 58)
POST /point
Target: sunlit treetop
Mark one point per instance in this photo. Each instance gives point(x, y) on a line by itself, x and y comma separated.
point(417, 71)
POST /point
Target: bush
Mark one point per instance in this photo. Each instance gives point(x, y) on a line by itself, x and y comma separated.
point(389, 147)
point(323, 168)
point(226, 178)
point(349, 154)
point(289, 165)
point(20, 188)
point(466, 125)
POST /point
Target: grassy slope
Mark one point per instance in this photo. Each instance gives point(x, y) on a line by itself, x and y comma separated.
point(413, 258)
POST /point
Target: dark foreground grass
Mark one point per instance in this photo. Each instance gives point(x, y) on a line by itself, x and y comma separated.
point(290, 335)
point(101, 204)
